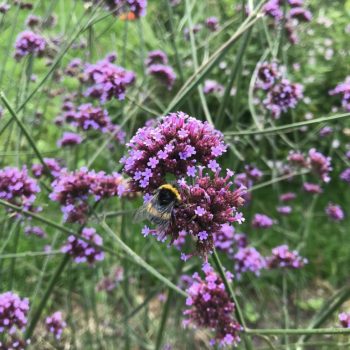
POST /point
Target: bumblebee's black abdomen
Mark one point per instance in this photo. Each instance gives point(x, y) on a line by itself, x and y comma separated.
point(166, 196)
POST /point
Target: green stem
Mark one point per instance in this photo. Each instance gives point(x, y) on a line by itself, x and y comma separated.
point(53, 224)
point(24, 129)
point(233, 77)
point(143, 263)
point(287, 127)
point(302, 331)
point(238, 311)
point(46, 296)
point(168, 303)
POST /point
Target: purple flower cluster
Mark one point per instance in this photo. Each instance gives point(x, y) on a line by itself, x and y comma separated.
point(52, 164)
point(69, 139)
point(212, 23)
point(207, 203)
point(268, 74)
point(87, 117)
point(72, 190)
point(74, 67)
point(212, 87)
point(13, 313)
point(283, 257)
point(312, 188)
point(137, 7)
point(33, 21)
point(29, 43)
point(284, 209)
point(334, 212)
point(81, 250)
point(345, 175)
point(227, 239)
point(35, 230)
point(344, 319)
point(283, 96)
point(109, 283)
point(344, 90)
point(287, 197)
point(156, 57)
point(249, 259)
point(4, 7)
point(326, 131)
point(176, 145)
point(318, 163)
point(157, 66)
point(163, 73)
point(209, 306)
point(107, 80)
point(276, 10)
point(55, 324)
point(17, 187)
point(262, 221)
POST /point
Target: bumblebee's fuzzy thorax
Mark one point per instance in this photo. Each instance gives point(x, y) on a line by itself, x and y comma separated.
point(172, 189)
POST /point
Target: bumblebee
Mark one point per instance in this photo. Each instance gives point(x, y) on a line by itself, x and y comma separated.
point(159, 210)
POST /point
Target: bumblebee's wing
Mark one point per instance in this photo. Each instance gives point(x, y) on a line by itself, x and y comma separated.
point(141, 213)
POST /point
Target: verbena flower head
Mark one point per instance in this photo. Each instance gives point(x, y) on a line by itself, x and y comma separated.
point(285, 258)
point(74, 67)
point(35, 230)
point(72, 191)
point(90, 117)
point(334, 212)
point(312, 188)
point(55, 324)
point(69, 139)
point(207, 204)
point(82, 251)
point(268, 73)
point(320, 164)
point(224, 239)
point(283, 96)
point(345, 175)
point(344, 319)
point(287, 197)
point(209, 306)
point(284, 209)
point(29, 43)
point(301, 14)
point(248, 259)
point(212, 86)
point(212, 23)
point(17, 187)
point(326, 131)
point(39, 170)
point(137, 7)
point(13, 313)
point(262, 221)
point(175, 146)
point(32, 21)
point(110, 282)
point(343, 89)
point(156, 57)
point(107, 80)
point(163, 73)
point(4, 7)
point(273, 9)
